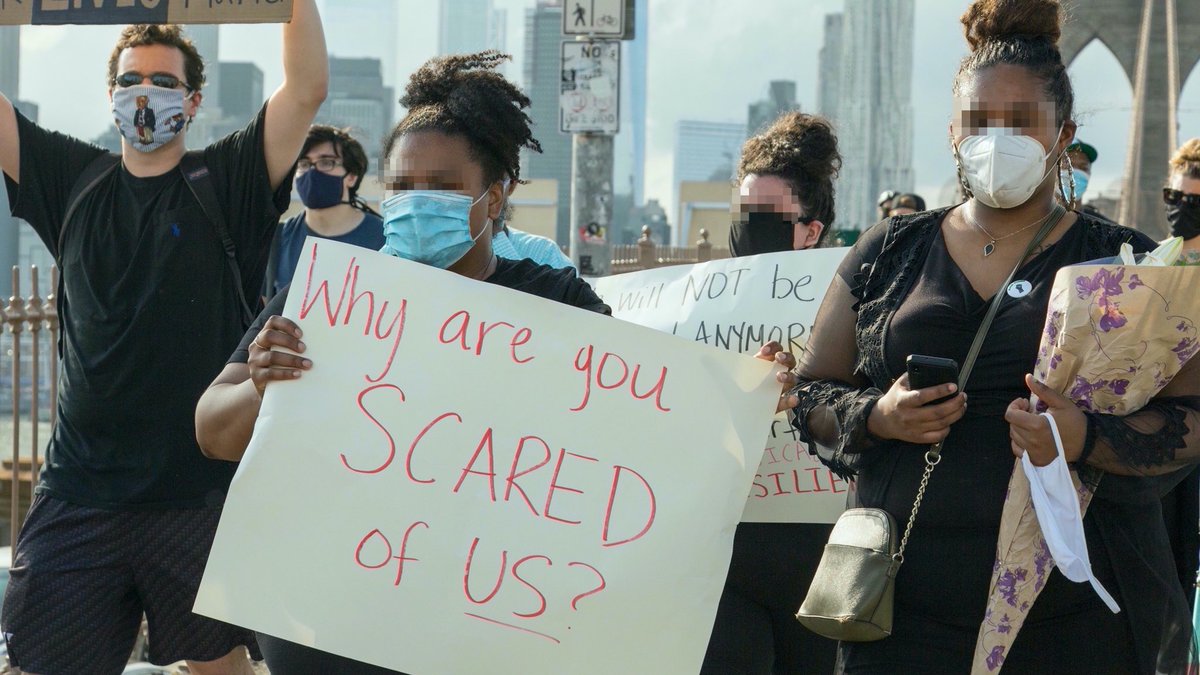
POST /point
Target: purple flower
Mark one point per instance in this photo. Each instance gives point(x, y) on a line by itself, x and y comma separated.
point(1111, 283)
point(1186, 348)
point(1007, 585)
point(1055, 360)
point(1085, 286)
point(1135, 281)
point(1113, 318)
point(1025, 606)
point(1119, 386)
point(1182, 327)
point(1041, 563)
point(996, 658)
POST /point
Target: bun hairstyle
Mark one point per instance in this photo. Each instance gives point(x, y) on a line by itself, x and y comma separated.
point(802, 150)
point(464, 95)
point(1019, 33)
point(1186, 159)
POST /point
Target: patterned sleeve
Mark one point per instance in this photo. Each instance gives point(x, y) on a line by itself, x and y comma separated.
point(835, 401)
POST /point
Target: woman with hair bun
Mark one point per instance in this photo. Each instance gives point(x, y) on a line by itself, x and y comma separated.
point(784, 202)
point(448, 161)
point(784, 194)
point(921, 284)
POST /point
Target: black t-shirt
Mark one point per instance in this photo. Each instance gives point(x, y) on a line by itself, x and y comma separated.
point(560, 285)
point(148, 313)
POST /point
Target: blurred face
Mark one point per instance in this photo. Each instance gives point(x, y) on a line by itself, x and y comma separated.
point(772, 194)
point(1009, 100)
point(431, 160)
point(901, 211)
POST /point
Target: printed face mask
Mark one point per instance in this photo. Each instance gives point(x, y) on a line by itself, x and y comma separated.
point(429, 226)
point(148, 116)
point(1003, 169)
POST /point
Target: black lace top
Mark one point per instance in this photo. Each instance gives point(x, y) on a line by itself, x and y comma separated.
point(907, 295)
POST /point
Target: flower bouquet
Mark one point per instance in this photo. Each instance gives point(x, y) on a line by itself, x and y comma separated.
point(1116, 332)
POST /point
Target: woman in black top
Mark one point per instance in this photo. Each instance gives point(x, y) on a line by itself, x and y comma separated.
point(463, 134)
point(920, 284)
point(784, 198)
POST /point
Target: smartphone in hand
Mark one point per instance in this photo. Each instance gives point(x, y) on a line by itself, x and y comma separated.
point(930, 371)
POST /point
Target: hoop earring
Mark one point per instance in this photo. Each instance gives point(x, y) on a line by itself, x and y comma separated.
point(962, 177)
point(1072, 199)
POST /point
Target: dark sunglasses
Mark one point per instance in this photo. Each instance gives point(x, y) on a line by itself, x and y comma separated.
point(1177, 197)
point(133, 78)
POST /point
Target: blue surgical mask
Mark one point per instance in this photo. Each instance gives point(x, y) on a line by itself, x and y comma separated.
point(429, 226)
point(1081, 183)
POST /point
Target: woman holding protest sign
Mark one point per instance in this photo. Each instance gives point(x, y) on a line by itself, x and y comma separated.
point(784, 201)
point(447, 163)
point(447, 167)
point(921, 284)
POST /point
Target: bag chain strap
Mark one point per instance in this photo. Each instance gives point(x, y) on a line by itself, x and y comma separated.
point(934, 455)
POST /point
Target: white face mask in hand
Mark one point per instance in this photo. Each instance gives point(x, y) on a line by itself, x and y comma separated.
point(1056, 504)
point(1002, 168)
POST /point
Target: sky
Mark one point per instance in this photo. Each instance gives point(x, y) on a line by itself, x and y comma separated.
point(708, 59)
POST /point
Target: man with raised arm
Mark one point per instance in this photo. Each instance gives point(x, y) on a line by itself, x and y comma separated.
point(159, 249)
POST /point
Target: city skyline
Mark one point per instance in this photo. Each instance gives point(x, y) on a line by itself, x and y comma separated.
point(683, 81)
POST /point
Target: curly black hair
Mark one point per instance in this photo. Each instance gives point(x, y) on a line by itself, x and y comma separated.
point(1021, 33)
point(464, 95)
point(801, 149)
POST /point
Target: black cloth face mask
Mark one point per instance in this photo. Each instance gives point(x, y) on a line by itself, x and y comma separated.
point(1184, 220)
point(761, 232)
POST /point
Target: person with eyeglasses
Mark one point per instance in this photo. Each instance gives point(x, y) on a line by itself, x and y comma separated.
point(1182, 199)
point(329, 172)
point(156, 263)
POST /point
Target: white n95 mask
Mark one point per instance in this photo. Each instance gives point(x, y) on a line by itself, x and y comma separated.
point(1003, 169)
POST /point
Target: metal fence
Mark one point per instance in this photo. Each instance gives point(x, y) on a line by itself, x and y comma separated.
point(646, 254)
point(30, 361)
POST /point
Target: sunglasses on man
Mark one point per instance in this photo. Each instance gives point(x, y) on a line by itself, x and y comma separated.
point(1177, 197)
point(133, 78)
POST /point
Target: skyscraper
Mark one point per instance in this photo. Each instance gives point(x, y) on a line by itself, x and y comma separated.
point(368, 29)
point(469, 26)
point(209, 124)
point(829, 68)
point(629, 146)
point(875, 101)
point(781, 97)
point(543, 36)
point(357, 99)
point(241, 91)
point(10, 86)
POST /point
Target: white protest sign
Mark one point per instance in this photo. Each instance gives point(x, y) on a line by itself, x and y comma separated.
point(738, 304)
point(476, 480)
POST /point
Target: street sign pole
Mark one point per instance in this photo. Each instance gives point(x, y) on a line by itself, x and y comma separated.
point(589, 109)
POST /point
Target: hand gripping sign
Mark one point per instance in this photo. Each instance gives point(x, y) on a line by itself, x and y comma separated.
point(472, 479)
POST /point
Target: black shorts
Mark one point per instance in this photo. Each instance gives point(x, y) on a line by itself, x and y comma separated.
point(83, 577)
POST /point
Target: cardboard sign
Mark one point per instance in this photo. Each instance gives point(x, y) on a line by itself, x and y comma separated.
point(59, 12)
point(472, 479)
point(738, 304)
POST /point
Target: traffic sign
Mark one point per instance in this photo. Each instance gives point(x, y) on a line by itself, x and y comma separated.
point(589, 100)
point(605, 18)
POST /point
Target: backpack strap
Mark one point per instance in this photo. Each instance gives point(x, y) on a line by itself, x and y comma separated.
point(97, 170)
point(199, 181)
